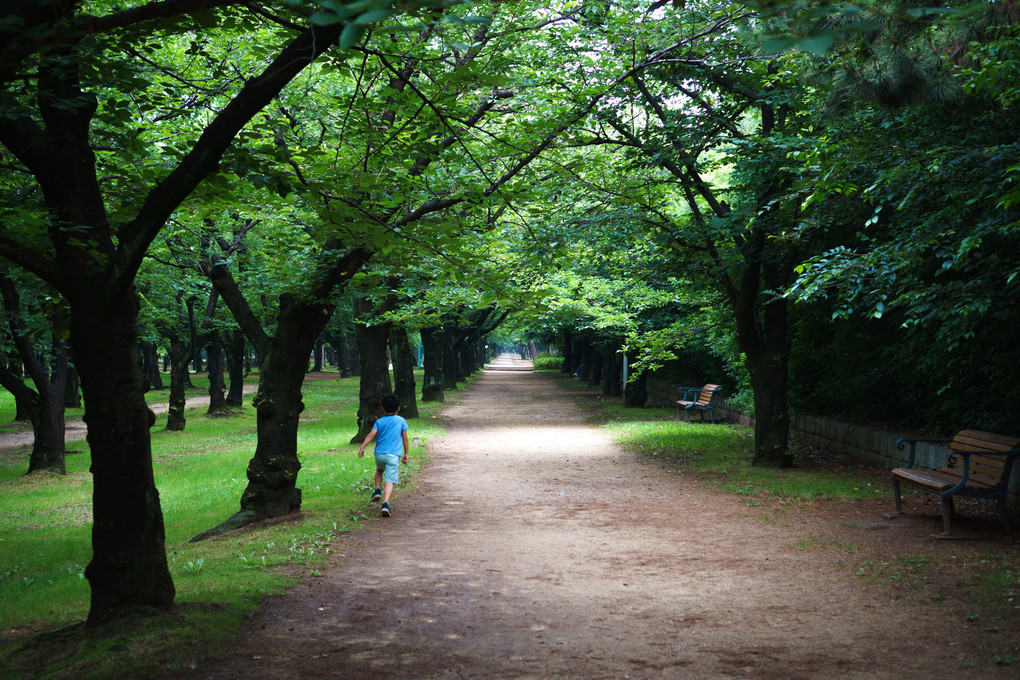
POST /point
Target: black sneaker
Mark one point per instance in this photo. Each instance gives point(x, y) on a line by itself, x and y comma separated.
point(376, 495)
point(385, 510)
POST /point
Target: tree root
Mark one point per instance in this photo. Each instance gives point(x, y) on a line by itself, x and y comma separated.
point(237, 521)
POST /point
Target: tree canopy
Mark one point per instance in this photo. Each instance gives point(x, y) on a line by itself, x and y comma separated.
point(809, 198)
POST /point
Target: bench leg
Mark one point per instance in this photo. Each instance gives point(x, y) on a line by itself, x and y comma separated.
point(896, 495)
point(947, 512)
point(1004, 513)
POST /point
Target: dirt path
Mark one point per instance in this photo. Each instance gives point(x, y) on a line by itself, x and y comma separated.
point(532, 547)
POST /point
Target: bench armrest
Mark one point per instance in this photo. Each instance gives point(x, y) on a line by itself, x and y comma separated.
point(952, 454)
point(913, 441)
point(688, 390)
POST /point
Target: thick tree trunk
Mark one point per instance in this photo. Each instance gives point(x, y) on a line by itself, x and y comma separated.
point(769, 376)
point(403, 372)
point(129, 566)
point(375, 375)
point(432, 381)
point(217, 385)
point(235, 369)
point(763, 336)
point(272, 472)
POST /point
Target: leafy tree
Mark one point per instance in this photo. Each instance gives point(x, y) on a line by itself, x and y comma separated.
point(915, 178)
point(65, 76)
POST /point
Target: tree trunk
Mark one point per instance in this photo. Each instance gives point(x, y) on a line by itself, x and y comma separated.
point(763, 336)
point(129, 566)
point(635, 391)
point(272, 472)
point(449, 358)
point(567, 366)
point(769, 374)
point(317, 356)
point(44, 405)
point(72, 389)
point(178, 400)
point(343, 356)
point(150, 365)
point(235, 369)
point(355, 356)
point(612, 367)
point(595, 367)
point(463, 354)
point(375, 375)
point(432, 381)
point(48, 447)
point(403, 372)
point(217, 385)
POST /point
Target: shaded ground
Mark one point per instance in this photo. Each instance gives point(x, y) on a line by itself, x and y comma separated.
point(532, 547)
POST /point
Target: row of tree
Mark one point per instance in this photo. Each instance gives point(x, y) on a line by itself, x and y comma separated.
point(786, 188)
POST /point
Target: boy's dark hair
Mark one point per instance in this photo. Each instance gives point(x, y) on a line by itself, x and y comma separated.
point(390, 403)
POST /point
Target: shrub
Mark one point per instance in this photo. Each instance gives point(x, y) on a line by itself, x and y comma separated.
point(547, 362)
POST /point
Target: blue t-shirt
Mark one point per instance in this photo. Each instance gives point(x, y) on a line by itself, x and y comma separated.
point(388, 437)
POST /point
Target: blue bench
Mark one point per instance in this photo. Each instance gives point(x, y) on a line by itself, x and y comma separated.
point(698, 399)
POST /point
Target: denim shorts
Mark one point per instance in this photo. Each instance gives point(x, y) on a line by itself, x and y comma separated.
point(389, 463)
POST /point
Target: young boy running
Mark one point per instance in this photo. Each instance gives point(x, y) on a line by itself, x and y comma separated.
point(390, 434)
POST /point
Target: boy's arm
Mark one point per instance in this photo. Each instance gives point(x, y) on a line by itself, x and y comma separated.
point(370, 437)
point(407, 447)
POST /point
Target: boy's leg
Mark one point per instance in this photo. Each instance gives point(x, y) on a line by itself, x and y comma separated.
point(378, 484)
point(391, 475)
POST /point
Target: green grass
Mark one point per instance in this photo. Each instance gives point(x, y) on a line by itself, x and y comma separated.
point(720, 456)
point(200, 473)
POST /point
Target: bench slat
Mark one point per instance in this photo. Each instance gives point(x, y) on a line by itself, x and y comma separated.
point(975, 440)
point(930, 479)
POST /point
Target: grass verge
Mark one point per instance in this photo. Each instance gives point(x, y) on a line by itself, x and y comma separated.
point(45, 540)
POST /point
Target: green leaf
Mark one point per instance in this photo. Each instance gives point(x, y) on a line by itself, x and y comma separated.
point(351, 35)
point(375, 15)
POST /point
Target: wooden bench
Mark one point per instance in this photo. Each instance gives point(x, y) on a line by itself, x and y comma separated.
point(977, 465)
point(704, 401)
